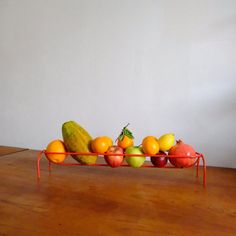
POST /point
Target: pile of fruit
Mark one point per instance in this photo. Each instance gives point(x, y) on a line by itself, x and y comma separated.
point(77, 140)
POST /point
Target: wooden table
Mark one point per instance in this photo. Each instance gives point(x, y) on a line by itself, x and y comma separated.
point(5, 150)
point(120, 201)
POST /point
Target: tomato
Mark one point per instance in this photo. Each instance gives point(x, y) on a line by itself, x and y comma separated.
point(150, 145)
point(101, 144)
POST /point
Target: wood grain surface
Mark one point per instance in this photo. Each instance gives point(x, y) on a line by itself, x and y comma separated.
point(113, 201)
point(5, 150)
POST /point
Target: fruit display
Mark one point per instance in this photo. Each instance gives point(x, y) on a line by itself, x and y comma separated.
point(185, 150)
point(77, 139)
point(56, 146)
point(111, 158)
point(79, 144)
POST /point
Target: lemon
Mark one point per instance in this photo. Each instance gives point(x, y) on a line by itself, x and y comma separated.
point(166, 142)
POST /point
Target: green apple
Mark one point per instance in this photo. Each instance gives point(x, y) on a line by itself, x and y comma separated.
point(134, 161)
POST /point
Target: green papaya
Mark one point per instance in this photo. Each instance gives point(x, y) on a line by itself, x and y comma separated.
point(77, 139)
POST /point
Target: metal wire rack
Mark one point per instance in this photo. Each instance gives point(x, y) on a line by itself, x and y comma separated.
point(198, 157)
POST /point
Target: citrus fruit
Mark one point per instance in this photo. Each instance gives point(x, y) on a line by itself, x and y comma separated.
point(101, 144)
point(150, 145)
point(166, 142)
point(56, 146)
point(125, 142)
point(108, 140)
point(126, 138)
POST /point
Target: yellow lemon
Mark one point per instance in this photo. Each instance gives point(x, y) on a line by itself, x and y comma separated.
point(166, 142)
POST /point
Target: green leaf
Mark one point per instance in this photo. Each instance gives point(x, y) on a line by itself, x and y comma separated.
point(128, 133)
point(125, 132)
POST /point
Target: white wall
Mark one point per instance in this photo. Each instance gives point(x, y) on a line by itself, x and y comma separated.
point(164, 66)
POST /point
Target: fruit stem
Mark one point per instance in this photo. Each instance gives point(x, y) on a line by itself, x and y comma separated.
point(125, 132)
point(126, 126)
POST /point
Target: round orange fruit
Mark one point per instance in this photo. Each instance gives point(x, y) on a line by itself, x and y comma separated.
point(56, 146)
point(125, 142)
point(108, 140)
point(150, 145)
point(101, 144)
point(126, 138)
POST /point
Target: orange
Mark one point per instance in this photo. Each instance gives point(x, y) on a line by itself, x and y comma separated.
point(125, 142)
point(150, 145)
point(101, 144)
point(108, 140)
point(56, 146)
point(125, 139)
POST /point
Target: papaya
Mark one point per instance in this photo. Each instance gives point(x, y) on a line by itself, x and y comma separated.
point(77, 139)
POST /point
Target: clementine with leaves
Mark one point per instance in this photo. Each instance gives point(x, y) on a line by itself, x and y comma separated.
point(126, 138)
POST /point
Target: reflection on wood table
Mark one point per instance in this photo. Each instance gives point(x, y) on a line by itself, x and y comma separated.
point(113, 201)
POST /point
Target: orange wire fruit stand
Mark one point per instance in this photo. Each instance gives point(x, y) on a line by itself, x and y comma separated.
point(199, 157)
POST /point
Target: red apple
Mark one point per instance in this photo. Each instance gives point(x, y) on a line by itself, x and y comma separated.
point(114, 160)
point(159, 161)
